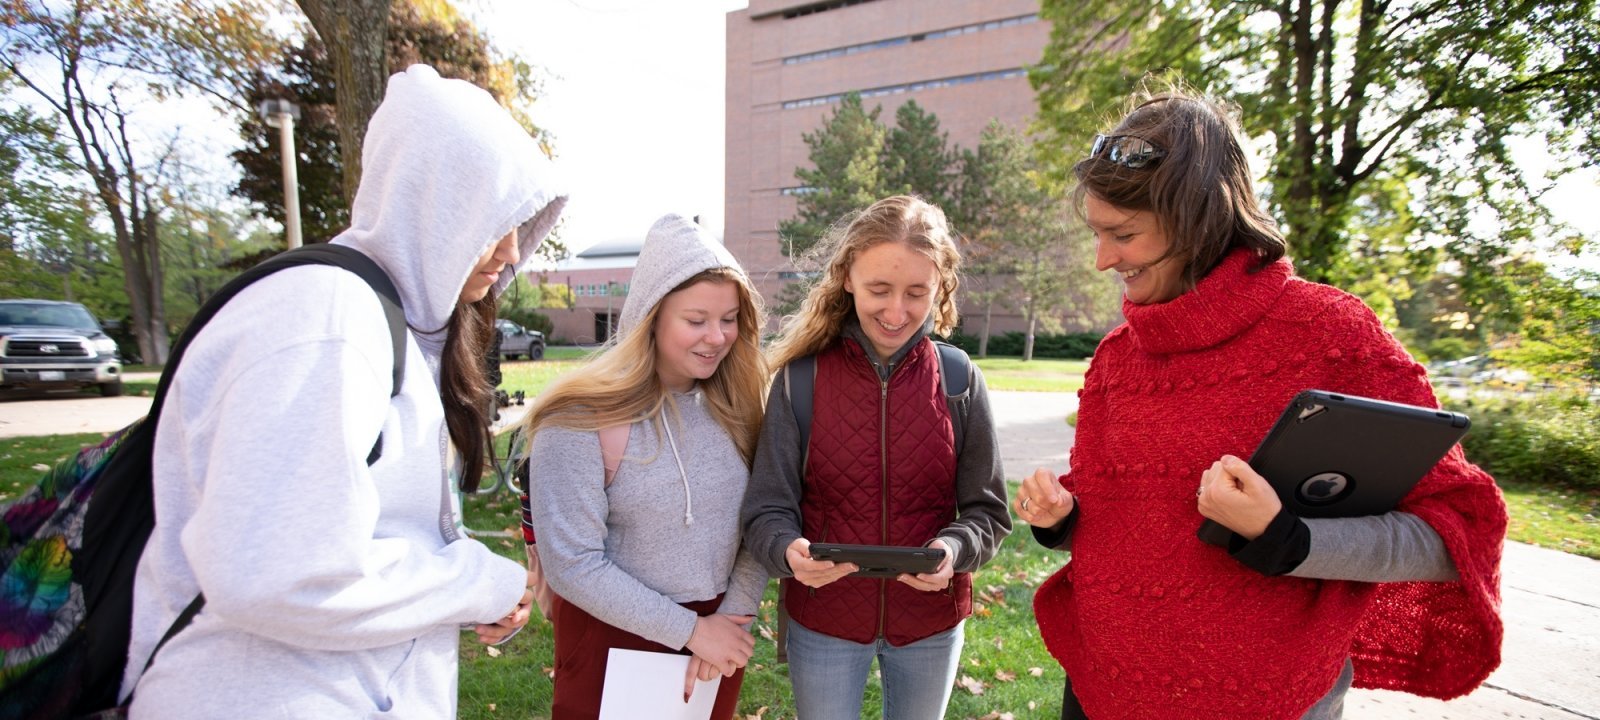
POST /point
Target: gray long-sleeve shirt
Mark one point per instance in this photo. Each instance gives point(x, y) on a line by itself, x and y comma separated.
point(772, 507)
point(630, 552)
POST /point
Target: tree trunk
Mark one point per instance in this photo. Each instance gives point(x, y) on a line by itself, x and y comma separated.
point(353, 31)
point(150, 242)
point(1027, 344)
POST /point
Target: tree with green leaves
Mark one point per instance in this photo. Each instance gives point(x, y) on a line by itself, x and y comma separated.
point(90, 63)
point(918, 159)
point(1558, 336)
point(428, 32)
point(976, 216)
point(1408, 111)
point(44, 226)
point(1023, 243)
point(846, 174)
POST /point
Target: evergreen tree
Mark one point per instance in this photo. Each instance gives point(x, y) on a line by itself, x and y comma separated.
point(918, 159)
point(847, 174)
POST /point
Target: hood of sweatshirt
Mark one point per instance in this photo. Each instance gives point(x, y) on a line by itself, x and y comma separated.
point(675, 249)
point(445, 173)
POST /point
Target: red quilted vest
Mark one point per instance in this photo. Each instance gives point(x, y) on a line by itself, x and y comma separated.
point(880, 470)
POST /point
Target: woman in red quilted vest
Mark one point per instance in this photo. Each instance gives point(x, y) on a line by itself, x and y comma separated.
point(1147, 620)
point(892, 453)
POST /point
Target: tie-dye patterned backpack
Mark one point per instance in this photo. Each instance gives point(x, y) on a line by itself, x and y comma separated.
point(70, 545)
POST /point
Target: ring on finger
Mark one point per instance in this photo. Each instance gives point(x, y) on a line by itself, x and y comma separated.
point(1201, 491)
point(1025, 503)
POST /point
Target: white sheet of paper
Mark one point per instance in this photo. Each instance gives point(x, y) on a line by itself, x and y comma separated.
point(650, 685)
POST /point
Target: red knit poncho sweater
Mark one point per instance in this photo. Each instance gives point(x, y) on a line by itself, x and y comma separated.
point(1150, 622)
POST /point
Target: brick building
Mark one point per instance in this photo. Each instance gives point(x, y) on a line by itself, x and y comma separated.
point(790, 61)
point(599, 278)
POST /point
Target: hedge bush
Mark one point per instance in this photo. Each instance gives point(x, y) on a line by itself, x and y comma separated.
point(1551, 439)
point(1067, 345)
point(529, 319)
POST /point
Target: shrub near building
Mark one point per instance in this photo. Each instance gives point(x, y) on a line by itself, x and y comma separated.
point(1073, 346)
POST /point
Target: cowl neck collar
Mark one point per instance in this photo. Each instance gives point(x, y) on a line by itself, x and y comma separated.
point(1223, 304)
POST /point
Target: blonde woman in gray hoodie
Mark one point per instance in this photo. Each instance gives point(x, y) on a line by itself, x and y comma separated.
point(652, 560)
point(335, 589)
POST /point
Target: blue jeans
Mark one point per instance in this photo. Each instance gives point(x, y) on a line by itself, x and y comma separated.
point(830, 674)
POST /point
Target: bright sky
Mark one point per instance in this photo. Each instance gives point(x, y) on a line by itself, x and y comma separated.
point(634, 98)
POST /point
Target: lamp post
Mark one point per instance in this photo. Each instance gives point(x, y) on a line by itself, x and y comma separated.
point(281, 114)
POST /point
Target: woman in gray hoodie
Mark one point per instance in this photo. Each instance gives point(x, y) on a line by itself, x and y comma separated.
point(646, 555)
point(334, 588)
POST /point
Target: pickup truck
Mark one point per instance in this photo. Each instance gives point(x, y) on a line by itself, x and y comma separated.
point(53, 344)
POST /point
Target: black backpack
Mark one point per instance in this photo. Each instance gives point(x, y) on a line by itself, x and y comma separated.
point(69, 547)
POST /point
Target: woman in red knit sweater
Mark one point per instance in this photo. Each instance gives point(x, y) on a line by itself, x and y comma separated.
point(1148, 621)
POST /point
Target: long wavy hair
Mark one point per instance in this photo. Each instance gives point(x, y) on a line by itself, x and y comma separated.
point(464, 386)
point(1200, 191)
point(621, 385)
point(904, 219)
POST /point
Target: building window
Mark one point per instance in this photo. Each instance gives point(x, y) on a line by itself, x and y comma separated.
point(908, 87)
point(907, 39)
point(820, 7)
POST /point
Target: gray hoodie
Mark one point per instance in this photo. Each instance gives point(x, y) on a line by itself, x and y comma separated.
point(334, 589)
point(666, 530)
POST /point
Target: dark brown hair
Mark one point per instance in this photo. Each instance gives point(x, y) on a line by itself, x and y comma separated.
point(1199, 192)
point(464, 386)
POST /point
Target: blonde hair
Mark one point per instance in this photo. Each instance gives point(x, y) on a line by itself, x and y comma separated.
point(620, 386)
point(904, 219)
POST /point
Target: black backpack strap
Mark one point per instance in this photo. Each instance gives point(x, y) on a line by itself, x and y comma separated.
point(955, 369)
point(320, 254)
point(365, 268)
point(955, 374)
point(799, 383)
point(800, 380)
point(184, 618)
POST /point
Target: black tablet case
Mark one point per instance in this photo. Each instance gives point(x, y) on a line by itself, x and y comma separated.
point(1337, 455)
point(881, 560)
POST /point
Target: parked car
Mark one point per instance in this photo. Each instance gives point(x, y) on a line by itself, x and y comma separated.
point(1456, 373)
point(53, 344)
point(517, 341)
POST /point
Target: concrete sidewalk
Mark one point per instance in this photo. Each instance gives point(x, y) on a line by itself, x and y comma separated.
point(1550, 665)
point(1551, 657)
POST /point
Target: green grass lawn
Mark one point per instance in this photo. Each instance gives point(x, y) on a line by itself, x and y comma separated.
point(1556, 518)
point(1036, 375)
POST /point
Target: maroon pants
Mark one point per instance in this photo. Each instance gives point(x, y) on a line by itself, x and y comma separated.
point(582, 645)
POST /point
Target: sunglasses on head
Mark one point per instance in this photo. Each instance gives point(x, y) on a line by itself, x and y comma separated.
point(1129, 151)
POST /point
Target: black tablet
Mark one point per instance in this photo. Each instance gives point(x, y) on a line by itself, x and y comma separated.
point(880, 560)
point(1337, 455)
